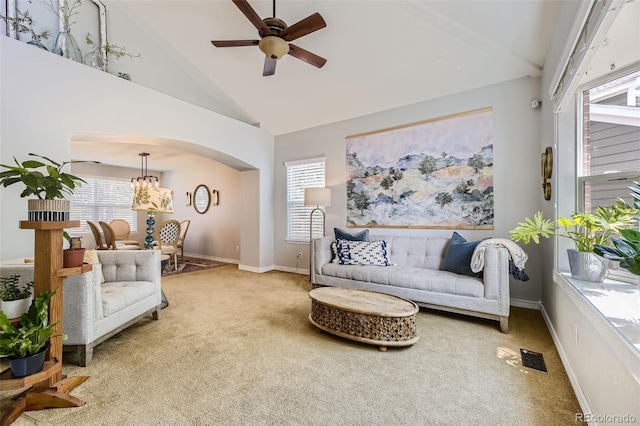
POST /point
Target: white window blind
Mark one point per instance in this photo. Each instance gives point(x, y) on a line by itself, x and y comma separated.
point(102, 199)
point(300, 175)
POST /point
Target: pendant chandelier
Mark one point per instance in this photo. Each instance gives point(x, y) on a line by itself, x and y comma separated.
point(145, 179)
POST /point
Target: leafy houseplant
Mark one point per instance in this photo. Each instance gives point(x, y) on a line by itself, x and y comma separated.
point(46, 181)
point(32, 334)
point(14, 298)
point(625, 250)
point(24, 23)
point(586, 230)
point(54, 184)
point(95, 58)
point(11, 289)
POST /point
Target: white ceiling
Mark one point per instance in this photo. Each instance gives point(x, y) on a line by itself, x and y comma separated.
point(380, 55)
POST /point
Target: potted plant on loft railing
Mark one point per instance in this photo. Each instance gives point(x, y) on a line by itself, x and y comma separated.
point(586, 230)
point(25, 344)
point(47, 182)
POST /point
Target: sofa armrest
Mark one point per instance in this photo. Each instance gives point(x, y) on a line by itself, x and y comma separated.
point(320, 255)
point(82, 306)
point(496, 277)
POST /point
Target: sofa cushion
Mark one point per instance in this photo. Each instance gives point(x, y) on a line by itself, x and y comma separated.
point(409, 277)
point(120, 294)
point(363, 253)
point(344, 235)
point(458, 256)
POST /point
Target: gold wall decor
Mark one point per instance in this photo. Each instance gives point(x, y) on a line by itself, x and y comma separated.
point(546, 170)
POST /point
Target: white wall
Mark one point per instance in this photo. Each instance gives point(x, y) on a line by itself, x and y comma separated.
point(516, 175)
point(45, 98)
point(601, 365)
point(216, 233)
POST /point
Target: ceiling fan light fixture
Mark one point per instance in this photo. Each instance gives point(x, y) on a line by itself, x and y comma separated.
point(274, 47)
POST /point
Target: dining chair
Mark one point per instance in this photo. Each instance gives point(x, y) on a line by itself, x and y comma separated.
point(167, 237)
point(122, 229)
point(184, 227)
point(110, 239)
point(97, 236)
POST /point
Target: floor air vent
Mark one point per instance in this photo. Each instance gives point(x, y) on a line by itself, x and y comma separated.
point(533, 360)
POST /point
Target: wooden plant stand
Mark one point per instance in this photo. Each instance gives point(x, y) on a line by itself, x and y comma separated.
point(48, 388)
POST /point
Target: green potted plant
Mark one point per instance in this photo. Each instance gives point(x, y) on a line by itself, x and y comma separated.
point(47, 182)
point(23, 23)
point(74, 255)
point(625, 250)
point(586, 230)
point(14, 298)
point(24, 344)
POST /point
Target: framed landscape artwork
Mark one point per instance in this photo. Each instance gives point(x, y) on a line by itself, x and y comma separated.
point(436, 173)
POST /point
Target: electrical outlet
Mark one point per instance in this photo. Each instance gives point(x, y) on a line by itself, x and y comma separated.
point(575, 334)
point(299, 255)
point(237, 248)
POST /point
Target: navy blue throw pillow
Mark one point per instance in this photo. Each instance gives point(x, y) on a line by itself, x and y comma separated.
point(344, 235)
point(458, 256)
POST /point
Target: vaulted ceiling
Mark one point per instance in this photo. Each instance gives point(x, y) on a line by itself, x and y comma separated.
point(380, 55)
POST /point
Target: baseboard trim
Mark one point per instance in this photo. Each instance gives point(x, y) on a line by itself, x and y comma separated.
point(254, 269)
point(215, 258)
point(292, 270)
point(580, 396)
point(528, 304)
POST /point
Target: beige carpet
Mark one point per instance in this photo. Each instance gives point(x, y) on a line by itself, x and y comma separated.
point(236, 348)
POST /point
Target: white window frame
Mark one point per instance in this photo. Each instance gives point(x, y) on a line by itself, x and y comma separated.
point(298, 215)
point(629, 176)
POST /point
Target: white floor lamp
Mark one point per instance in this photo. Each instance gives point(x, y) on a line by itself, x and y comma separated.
point(319, 197)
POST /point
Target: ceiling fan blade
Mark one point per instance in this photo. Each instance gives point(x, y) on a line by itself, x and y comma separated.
point(269, 67)
point(305, 55)
point(234, 43)
point(306, 26)
point(252, 16)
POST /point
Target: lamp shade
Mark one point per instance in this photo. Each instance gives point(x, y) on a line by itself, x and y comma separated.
point(317, 197)
point(149, 198)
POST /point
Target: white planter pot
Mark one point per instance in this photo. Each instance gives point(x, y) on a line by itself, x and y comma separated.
point(15, 308)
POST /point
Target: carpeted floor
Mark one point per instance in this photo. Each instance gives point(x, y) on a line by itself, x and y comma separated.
point(190, 264)
point(236, 348)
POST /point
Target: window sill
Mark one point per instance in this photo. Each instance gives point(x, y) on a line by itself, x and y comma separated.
point(618, 303)
point(297, 241)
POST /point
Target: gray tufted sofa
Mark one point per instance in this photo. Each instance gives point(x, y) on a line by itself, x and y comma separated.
point(416, 275)
point(93, 312)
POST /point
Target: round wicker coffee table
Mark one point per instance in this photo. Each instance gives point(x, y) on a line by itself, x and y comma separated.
point(364, 316)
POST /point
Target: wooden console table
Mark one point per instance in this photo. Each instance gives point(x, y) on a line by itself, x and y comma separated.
point(48, 388)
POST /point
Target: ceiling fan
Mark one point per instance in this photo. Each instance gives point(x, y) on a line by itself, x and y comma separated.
point(275, 36)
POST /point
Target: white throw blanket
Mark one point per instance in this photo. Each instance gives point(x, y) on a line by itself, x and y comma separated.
point(516, 254)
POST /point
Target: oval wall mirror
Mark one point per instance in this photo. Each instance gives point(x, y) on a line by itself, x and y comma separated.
point(201, 199)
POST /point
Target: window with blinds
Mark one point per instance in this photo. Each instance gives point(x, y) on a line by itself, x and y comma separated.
point(300, 175)
point(102, 199)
